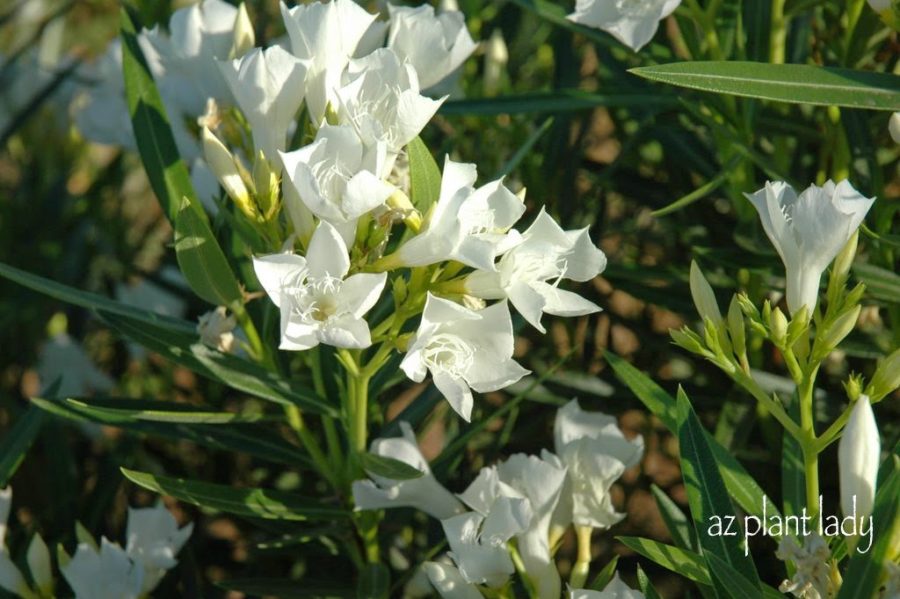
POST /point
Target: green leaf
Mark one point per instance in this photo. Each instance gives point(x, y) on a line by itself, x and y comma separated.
point(679, 527)
point(794, 83)
point(168, 175)
point(285, 588)
point(201, 259)
point(183, 348)
point(865, 569)
point(562, 100)
point(880, 283)
point(647, 587)
point(389, 468)
point(251, 439)
point(253, 503)
point(424, 176)
point(741, 486)
point(523, 151)
point(111, 410)
point(683, 562)
point(374, 582)
point(91, 301)
point(17, 441)
point(708, 498)
point(605, 575)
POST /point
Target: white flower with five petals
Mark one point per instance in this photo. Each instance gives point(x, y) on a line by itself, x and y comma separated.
point(808, 231)
point(424, 493)
point(380, 98)
point(466, 224)
point(327, 34)
point(595, 454)
point(153, 539)
point(318, 304)
point(435, 44)
point(268, 86)
point(632, 22)
point(105, 574)
point(463, 349)
point(529, 273)
point(336, 177)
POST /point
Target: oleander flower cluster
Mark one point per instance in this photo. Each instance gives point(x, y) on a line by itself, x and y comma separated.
point(528, 499)
point(104, 571)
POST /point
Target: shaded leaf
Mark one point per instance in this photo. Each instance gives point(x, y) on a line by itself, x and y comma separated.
point(683, 562)
point(17, 441)
point(424, 176)
point(379, 465)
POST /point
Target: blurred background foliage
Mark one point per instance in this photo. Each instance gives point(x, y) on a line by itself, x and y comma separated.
point(553, 108)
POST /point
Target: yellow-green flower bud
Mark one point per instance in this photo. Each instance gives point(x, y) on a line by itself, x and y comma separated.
point(798, 325)
point(844, 259)
point(223, 165)
point(687, 339)
point(886, 378)
point(265, 180)
point(704, 298)
point(778, 327)
point(736, 327)
point(244, 37)
point(840, 328)
point(853, 386)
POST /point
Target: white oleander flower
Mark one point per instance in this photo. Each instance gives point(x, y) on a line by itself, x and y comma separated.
point(540, 482)
point(11, 579)
point(380, 98)
point(435, 44)
point(153, 539)
point(336, 177)
point(199, 35)
point(318, 304)
point(424, 493)
point(808, 231)
point(466, 224)
point(480, 555)
point(615, 589)
point(105, 574)
point(812, 578)
point(894, 127)
point(463, 349)
point(216, 329)
point(859, 453)
point(449, 583)
point(632, 22)
point(530, 272)
point(595, 453)
point(268, 86)
point(327, 34)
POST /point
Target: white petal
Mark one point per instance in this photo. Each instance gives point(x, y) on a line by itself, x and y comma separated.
point(346, 331)
point(360, 292)
point(859, 453)
point(327, 254)
point(456, 392)
point(274, 270)
point(449, 583)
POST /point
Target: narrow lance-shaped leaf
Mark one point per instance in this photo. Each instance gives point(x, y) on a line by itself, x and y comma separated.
point(255, 503)
point(686, 563)
point(168, 175)
point(793, 83)
point(424, 176)
point(709, 501)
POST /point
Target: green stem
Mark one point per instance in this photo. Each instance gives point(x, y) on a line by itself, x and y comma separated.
point(773, 406)
point(778, 35)
point(295, 420)
point(808, 441)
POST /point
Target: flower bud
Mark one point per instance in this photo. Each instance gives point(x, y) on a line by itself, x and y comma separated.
point(778, 327)
point(736, 327)
point(704, 298)
point(495, 59)
point(844, 259)
point(840, 328)
point(894, 127)
point(886, 378)
point(858, 456)
point(853, 387)
point(687, 339)
point(244, 36)
point(223, 165)
point(38, 558)
point(798, 325)
point(265, 180)
point(400, 201)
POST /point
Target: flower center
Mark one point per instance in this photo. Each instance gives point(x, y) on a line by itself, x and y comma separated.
point(478, 221)
point(316, 299)
point(448, 353)
point(375, 116)
point(536, 266)
point(332, 177)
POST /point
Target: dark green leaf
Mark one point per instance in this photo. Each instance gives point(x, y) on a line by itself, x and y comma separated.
point(562, 100)
point(17, 441)
point(646, 586)
point(284, 588)
point(794, 83)
point(202, 260)
point(880, 282)
point(168, 175)
point(113, 410)
point(424, 176)
point(251, 439)
point(91, 301)
point(605, 575)
point(254, 503)
point(679, 527)
point(374, 582)
point(741, 486)
point(390, 468)
point(708, 498)
point(683, 562)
